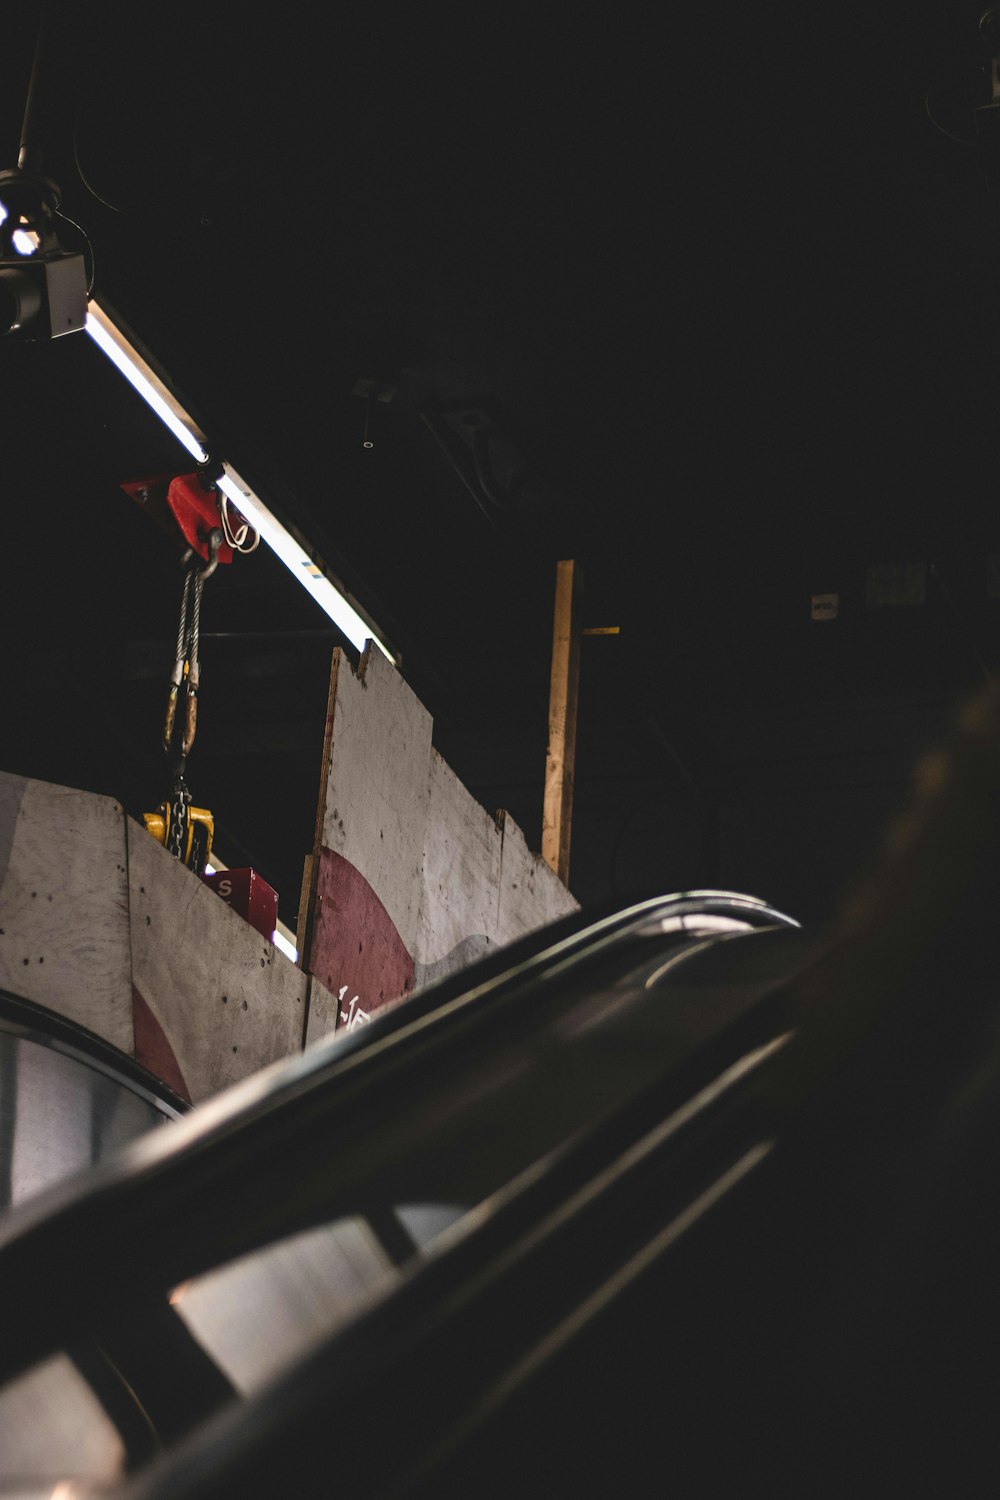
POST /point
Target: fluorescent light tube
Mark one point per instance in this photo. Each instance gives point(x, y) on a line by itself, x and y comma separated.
point(112, 342)
point(287, 948)
point(298, 562)
point(139, 375)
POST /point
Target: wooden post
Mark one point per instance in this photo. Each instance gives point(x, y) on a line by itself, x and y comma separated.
point(557, 811)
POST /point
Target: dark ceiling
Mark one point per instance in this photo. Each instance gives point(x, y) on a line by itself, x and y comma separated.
point(727, 302)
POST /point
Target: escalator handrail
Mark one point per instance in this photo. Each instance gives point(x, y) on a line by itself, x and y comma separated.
point(37, 1023)
point(284, 1085)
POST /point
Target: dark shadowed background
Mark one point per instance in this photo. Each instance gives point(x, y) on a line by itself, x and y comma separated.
point(719, 290)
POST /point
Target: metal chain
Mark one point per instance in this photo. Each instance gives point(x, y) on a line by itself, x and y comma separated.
point(187, 672)
point(193, 663)
point(182, 624)
point(179, 812)
point(180, 654)
point(187, 667)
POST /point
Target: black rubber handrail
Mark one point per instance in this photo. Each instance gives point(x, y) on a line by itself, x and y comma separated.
point(504, 978)
point(38, 1023)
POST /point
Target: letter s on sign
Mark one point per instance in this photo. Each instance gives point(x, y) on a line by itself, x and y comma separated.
point(225, 889)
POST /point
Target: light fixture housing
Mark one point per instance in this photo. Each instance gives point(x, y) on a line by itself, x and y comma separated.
point(43, 287)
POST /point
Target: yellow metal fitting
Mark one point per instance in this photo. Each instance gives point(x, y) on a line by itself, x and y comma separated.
point(199, 834)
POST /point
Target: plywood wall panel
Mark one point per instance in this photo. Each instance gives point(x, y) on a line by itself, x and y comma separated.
point(460, 877)
point(408, 881)
point(377, 791)
point(225, 1000)
point(530, 893)
point(323, 1011)
point(64, 937)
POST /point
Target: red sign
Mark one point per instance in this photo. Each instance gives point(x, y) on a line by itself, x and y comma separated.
point(247, 893)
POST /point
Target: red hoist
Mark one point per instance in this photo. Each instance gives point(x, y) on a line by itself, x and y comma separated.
point(213, 532)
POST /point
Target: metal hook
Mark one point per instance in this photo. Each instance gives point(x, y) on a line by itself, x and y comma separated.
point(214, 543)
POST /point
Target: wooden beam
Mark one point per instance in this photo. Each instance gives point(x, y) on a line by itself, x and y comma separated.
point(557, 811)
